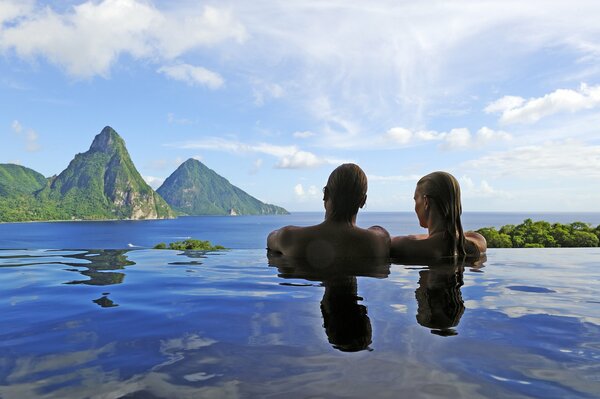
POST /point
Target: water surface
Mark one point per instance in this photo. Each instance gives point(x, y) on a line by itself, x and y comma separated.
point(167, 324)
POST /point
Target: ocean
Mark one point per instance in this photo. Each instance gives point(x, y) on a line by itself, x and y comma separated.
point(81, 320)
point(240, 232)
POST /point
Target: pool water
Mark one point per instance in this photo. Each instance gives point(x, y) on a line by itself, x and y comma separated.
point(238, 324)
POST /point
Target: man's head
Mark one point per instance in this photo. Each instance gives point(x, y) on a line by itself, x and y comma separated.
point(346, 190)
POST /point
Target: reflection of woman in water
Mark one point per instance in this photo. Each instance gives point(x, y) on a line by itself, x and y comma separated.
point(439, 301)
point(438, 207)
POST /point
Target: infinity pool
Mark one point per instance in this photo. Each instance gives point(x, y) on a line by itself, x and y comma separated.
point(235, 324)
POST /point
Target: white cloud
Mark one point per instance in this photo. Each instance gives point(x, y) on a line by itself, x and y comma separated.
point(153, 181)
point(193, 75)
point(89, 38)
point(503, 104)
point(400, 135)
point(289, 156)
point(309, 193)
point(517, 110)
point(29, 135)
point(567, 158)
point(11, 9)
point(303, 135)
point(264, 90)
point(482, 190)
point(486, 135)
point(455, 139)
point(17, 127)
point(299, 160)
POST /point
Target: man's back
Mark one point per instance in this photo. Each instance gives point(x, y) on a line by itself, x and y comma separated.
point(330, 240)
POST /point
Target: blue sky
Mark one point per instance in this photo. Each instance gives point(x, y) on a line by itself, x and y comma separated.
point(274, 95)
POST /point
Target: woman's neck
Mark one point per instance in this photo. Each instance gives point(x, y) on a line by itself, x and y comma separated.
point(435, 224)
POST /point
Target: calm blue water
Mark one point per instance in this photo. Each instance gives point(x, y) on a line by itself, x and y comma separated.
point(242, 232)
point(81, 322)
point(234, 324)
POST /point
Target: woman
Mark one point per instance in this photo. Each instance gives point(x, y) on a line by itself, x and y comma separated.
point(438, 207)
point(338, 236)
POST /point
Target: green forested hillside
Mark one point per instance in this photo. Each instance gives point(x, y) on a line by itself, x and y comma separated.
point(194, 189)
point(17, 180)
point(540, 234)
point(101, 183)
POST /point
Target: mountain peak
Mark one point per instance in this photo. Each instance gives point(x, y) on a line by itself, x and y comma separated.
point(195, 189)
point(106, 140)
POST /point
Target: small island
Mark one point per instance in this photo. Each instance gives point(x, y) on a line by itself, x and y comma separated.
point(190, 245)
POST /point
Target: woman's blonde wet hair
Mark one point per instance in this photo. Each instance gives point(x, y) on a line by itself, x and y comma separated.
point(443, 191)
point(347, 191)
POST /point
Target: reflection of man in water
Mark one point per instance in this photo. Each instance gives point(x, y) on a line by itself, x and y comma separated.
point(346, 323)
point(337, 236)
point(439, 300)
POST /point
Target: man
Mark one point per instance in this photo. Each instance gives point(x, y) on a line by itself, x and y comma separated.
point(338, 236)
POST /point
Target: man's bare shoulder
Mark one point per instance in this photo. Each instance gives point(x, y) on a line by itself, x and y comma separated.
point(286, 240)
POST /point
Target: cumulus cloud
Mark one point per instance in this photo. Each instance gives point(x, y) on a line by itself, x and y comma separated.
point(87, 39)
point(309, 193)
point(29, 135)
point(193, 75)
point(470, 189)
point(299, 190)
point(567, 158)
point(455, 139)
point(153, 181)
point(518, 110)
point(289, 156)
point(400, 135)
point(11, 9)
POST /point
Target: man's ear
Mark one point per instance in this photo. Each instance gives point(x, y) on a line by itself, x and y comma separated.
point(426, 202)
point(363, 202)
point(325, 193)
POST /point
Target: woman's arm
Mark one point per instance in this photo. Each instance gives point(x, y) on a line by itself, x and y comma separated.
point(478, 240)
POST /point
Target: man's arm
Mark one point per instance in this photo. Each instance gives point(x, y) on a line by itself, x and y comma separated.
point(280, 240)
point(273, 241)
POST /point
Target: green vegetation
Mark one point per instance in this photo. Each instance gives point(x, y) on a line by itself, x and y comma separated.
point(540, 234)
point(16, 180)
point(101, 183)
point(190, 244)
point(194, 189)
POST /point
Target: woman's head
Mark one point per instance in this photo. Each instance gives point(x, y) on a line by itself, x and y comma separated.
point(346, 190)
point(441, 192)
